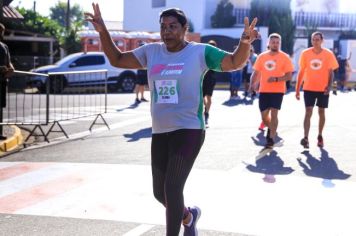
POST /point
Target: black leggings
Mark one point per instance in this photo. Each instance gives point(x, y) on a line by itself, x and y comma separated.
point(172, 156)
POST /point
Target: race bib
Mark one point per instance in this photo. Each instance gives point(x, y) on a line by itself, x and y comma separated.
point(166, 91)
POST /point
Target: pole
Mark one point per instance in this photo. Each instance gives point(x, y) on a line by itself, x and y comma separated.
point(68, 16)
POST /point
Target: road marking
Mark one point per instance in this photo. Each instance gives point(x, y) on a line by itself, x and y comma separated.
point(139, 230)
point(31, 196)
point(109, 192)
point(20, 169)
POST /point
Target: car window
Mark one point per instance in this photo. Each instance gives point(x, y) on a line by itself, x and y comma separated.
point(89, 61)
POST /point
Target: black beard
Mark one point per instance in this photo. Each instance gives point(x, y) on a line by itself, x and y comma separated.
point(274, 50)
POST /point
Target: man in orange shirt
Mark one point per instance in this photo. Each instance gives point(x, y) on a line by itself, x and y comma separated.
point(316, 71)
point(271, 71)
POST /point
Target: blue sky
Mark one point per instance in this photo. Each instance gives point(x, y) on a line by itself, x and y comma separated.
point(110, 9)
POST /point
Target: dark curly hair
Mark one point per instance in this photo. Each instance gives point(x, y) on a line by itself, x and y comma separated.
point(175, 12)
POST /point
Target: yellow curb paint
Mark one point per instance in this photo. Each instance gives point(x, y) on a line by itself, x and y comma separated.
point(12, 142)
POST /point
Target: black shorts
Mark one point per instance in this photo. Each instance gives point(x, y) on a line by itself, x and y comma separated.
point(208, 84)
point(141, 78)
point(321, 99)
point(270, 100)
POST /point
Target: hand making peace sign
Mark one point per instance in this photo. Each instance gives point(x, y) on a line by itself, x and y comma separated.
point(249, 34)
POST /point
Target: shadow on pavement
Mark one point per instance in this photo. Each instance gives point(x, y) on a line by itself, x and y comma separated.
point(132, 106)
point(271, 164)
point(260, 138)
point(142, 133)
point(235, 102)
point(325, 167)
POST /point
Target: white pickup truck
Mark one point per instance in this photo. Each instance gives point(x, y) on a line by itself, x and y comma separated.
point(117, 79)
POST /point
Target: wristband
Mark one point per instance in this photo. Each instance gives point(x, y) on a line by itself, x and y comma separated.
point(276, 79)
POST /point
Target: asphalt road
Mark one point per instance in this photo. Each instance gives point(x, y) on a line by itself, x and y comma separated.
point(99, 183)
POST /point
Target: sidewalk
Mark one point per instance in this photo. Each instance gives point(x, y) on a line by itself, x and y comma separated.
point(14, 139)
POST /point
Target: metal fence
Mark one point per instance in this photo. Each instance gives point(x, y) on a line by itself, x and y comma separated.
point(38, 100)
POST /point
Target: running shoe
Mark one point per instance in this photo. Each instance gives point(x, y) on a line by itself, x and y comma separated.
point(304, 142)
point(320, 141)
point(144, 100)
point(269, 143)
point(191, 229)
point(137, 101)
point(262, 126)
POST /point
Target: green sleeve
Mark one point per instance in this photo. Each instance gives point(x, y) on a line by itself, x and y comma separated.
point(214, 57)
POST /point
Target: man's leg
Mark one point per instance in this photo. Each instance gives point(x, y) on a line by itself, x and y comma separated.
point(307, 117)
point(321, 127)
point(274, 122)
point(137, 90)
point(321, 120)
point(142, 91)
point(266, 119)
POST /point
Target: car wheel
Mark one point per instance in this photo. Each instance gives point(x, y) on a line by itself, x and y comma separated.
point(127, 82)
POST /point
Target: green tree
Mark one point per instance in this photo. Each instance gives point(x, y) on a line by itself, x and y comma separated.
point(223, 16)
point(59, 14)
point(36, 23)
point(69, 40)
point(277, 16)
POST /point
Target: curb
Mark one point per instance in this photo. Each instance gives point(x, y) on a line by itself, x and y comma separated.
point(13, 142)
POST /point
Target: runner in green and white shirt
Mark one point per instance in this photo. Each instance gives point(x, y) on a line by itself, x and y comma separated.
point(175, 81)
point(175, 72)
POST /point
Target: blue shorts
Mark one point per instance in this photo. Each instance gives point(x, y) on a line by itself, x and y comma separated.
point(270, 100)
point(321, 99)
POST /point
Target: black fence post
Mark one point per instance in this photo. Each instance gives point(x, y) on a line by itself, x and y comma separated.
point(2, 104)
